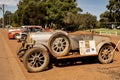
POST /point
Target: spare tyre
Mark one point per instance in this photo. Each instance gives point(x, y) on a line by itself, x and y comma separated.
point(59, 44)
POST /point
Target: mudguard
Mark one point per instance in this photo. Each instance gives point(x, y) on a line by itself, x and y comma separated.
point(41, 45)
point(98, 47)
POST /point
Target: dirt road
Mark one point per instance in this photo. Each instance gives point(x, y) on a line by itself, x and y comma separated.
point(89, 69)
point(9, 69)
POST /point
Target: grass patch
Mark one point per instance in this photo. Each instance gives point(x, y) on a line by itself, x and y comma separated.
point(112, 31)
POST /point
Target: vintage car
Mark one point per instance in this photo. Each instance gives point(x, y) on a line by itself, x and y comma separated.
point(44, 46)
point(14, 33)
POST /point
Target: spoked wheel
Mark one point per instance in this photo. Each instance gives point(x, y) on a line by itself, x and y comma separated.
point(106, 54)
point(59, 45)
point(36, 59)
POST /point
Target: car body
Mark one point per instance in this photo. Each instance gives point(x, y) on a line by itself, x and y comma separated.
point(13, 33)
point(44, 46)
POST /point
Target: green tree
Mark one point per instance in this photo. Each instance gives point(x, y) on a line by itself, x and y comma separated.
point(34, 13)
point(80, 21)
point(105, 19)
point(112, 15)
point(57, 10)
point(8, 17)
point(72, 21)
point(53, 13)
point(30, 12)
point(114, 8)
point(44, 12)
point(0, 22)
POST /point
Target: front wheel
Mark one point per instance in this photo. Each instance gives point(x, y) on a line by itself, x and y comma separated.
point(106, 54)
point(36, 59)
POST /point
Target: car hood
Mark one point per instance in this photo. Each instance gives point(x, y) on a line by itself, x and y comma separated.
point(41, 37)
point(11, 30)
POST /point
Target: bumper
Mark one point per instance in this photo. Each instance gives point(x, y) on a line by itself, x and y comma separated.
point(10, 36)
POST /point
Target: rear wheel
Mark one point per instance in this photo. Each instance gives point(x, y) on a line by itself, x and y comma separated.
point(36, 59)
point(59, 44)
point(106, 54)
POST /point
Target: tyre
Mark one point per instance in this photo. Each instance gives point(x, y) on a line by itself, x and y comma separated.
point(59, 44)
point(36, 60)
point(106, 54)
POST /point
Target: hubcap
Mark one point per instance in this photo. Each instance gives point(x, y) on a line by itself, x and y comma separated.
point(59, 44)
point(36, 59)
point(106, 53)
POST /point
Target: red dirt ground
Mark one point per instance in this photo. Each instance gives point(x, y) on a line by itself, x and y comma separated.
point(91, 70)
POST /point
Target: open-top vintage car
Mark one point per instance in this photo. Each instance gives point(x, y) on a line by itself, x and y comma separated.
point(43, 46)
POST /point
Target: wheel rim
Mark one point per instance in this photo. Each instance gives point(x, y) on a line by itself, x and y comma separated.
point(106, 52)
point(36, 60)
point(59, 44)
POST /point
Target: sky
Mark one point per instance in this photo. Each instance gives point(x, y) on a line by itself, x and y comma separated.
point(94, 7)
point(10, 5)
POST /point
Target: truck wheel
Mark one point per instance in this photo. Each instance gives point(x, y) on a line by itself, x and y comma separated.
point(36, 59)
point(106, 54)
point(59, 44)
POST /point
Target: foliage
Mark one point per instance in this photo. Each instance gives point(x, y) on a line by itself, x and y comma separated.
point(56, 10)
point(30, 12)
point(80, 21)
point(105, 19)
point(107, 30)
point(44, 12)
point(112, 15)
point(114, 8)
point(0, 22)
point(55, 14)
point(8, 17)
